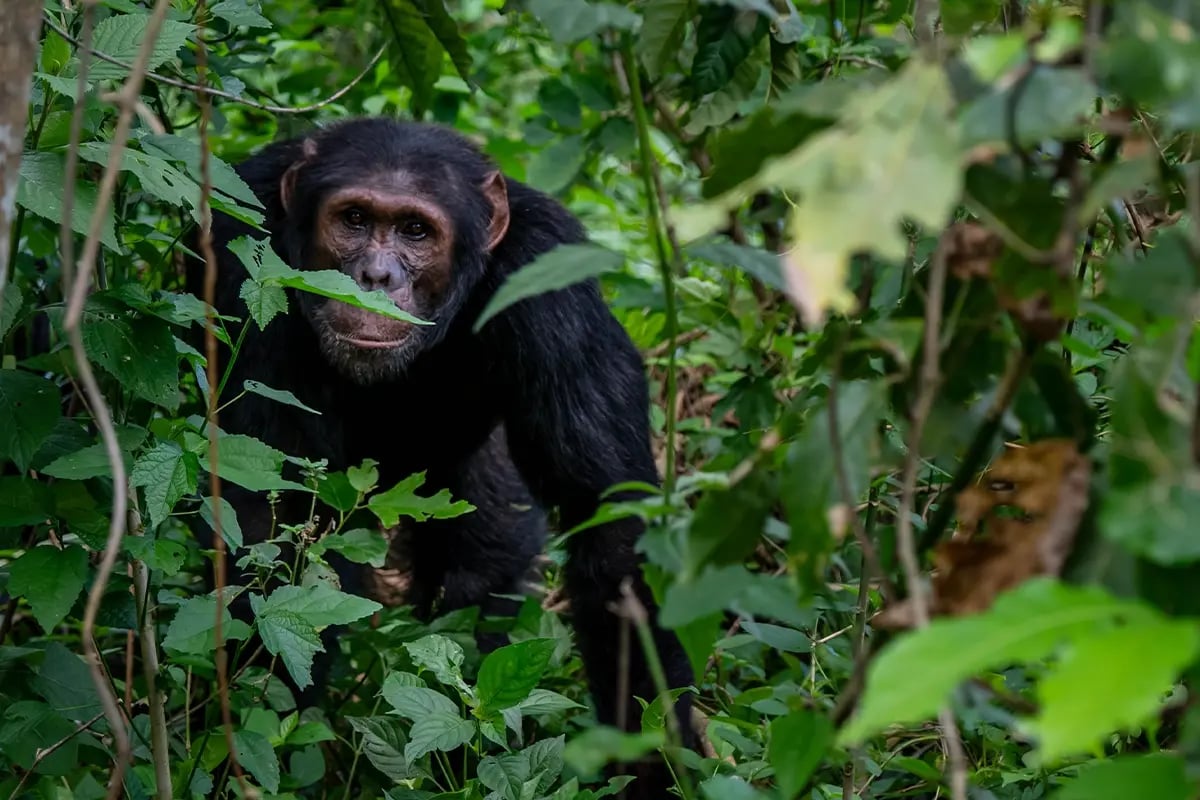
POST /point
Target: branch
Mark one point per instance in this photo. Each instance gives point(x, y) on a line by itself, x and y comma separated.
point(18, 56)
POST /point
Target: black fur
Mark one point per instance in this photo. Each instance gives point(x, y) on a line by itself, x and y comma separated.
point(546, 406)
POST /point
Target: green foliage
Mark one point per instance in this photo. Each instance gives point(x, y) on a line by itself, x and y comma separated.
point(778, 272)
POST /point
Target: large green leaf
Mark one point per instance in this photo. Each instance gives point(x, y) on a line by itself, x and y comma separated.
point(912, 677)
point(43, 176)
point(664, 23)
point(440, 731)
point(383, 741)
point(166, 473)
point(121, 36)
point(559, 268)
point(509, 674)
point(50, 579)
point(257, 756)
point(23, 501)
point(1157, 775)
point(418, 50)
point(798, 743)
point(138, 351)
point(29, 406)
point(250, 463)
point(725, 37)
point(402, 500)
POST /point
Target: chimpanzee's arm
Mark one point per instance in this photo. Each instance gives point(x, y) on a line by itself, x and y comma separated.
point(577, 413)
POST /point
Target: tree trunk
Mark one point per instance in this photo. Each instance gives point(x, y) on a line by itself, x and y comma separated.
point(20, 23)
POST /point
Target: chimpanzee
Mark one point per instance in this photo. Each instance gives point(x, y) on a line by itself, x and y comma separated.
point(546, 406)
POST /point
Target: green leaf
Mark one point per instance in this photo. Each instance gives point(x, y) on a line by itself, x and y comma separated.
point(912, 677)
point(419, 52)
point(224, 178)
point(554, 168)
point(255, 754)
point(443, 732)
point(711, 591)
point(1132, 667)
point(193, 628)
point(892, 159)
point(51, 580)
point(798, 743)
point(588, 752)
point(509, 674)
point(559, 268)
point(66, 684)
point(293, 639)
point(1157, 775)
point(318, 605)
point(414, 702)
point(157, 554)
point(250, 464)
point(728, 524)
point(1153, 519)
point(24, 501)
point(544, 701)
point(725, 37)
point(166, 473)
point(402, 501)
point(239, 13)
point(278, 395)
point(138, 351)
point(729, 787)
point(89, 462)
point(43, 176)
point(30, 408)
point(759, 264)
point(231, 530)
point(121, 37)
point(383, 744)
point(360, 545)
point(263, 302)
point(571, 20)
point(337, 492)
point(445, 28)
point(1052, 103)
point(10, 307)
point(441, 656)
point(157, 177)
point(664, 23)
point(266, 267)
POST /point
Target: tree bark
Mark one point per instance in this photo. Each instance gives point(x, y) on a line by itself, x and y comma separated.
point(20, 23)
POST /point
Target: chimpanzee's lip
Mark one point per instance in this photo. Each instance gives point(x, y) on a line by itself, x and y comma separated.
point(370, 344)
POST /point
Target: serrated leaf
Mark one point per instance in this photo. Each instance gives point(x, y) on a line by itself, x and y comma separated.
point(50, 579)
point(224, 178)
point(360, 545)
point(383, 744)
point(911, 677)
point(166, 473)
point(121, 36)
point(240, 13)
point(193, 628)
point(552, 169)
point(43, 176)
point(441, 656)
point(442, 732)
point(402, 501)
point(250, 464)
point(318, 605)
point(509, 674)
point(278, 395)
point(255, 754)
point(263, 302)
point(414, 702)
point(266, 267)
point(157, 554)
point(30, 408)
point(291, 638)
point(1158, 775)
point(138, 351)
point(572, 20)
point(559, 268)
point(1132, 667)
point(156, 176)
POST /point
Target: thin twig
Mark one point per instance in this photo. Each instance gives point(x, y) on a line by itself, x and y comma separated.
point(208, 91)
point(160, 743)
point(930, 381)
point(211, 367)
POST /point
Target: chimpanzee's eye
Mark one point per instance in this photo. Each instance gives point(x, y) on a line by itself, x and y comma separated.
point(414, 229)
point(355, 217)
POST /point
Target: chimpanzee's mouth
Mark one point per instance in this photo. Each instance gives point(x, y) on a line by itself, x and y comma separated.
point(371, 344)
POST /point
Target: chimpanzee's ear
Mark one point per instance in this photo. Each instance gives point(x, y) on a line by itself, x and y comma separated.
point(287, 184)
point(496, 192)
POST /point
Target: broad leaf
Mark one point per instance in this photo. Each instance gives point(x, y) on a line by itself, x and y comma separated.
point(50, 579)
point(360, 545)
point(166, 473)
point(138, 351)
point(414, 702)
point(30, 408)
point(443, 732)
point(571, 20)
point(40, 192)
point(278, 395)
point(255, 754)
point(121, 36)
point(559, 268)
point(383, 744)
point(509, 674)
point(1157, 775)
point(402, 501)
point(798, 743)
